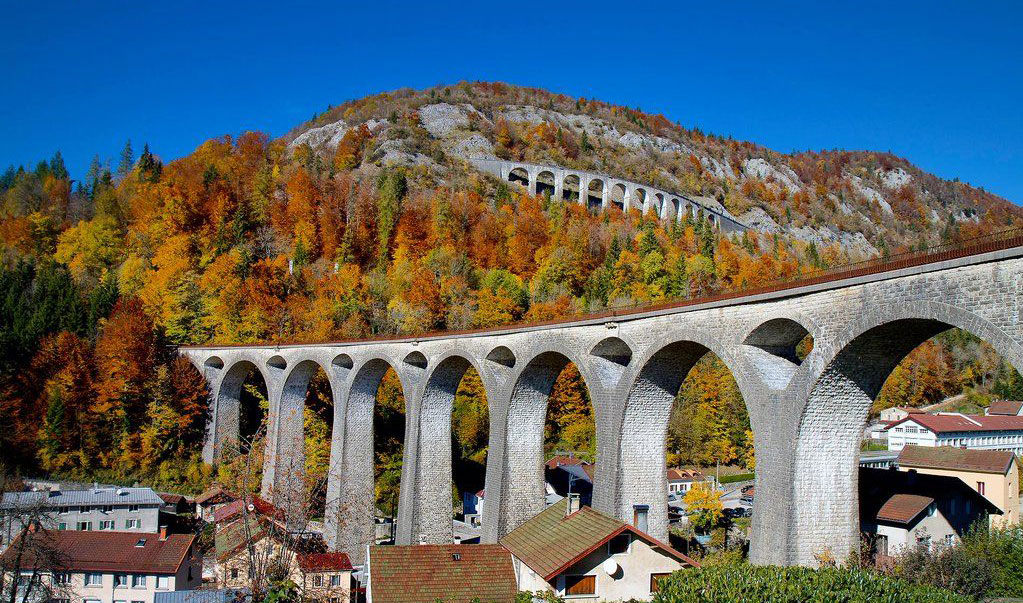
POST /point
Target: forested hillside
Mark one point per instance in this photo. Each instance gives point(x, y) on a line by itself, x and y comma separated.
point(367, 220)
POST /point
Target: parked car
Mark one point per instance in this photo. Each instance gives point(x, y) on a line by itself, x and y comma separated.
point(746, 489)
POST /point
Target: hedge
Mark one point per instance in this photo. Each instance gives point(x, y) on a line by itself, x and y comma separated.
point(750, 583)
point(738, 477)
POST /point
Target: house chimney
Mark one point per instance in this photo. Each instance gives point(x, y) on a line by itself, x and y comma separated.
point(573, 503)
point(163, 533)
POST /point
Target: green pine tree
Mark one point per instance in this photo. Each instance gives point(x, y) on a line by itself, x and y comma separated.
point(127, 160)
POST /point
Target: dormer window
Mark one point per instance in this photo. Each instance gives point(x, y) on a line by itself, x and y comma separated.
point(141, 542)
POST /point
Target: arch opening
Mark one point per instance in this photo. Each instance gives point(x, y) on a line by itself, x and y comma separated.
point(451, 471)
point(545, 183)
point(366, 471)
point(318, 432)
point(298, 455)
point(214, 362)
point(639, 200)
point(277, 362)
point(903, 362)
point(550, 417)
point(388, 451)
point(777, 347)
point(342, 362)
point(416, 359)
point(571, 189)
point(595, 195)
point(519, 175)
point(658, 206)
point(613, 349)
point(502, 355)
point(618, 196)
point(240, 426)
point(685, 419)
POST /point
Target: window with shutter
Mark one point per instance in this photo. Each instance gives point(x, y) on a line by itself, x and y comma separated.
point(655, 581)
point(579, 586)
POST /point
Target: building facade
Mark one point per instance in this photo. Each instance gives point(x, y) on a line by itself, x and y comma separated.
point(103, 567)
point(980, 432)
point(97, 509)
point(993, 474)
point(906, 508)
point(681, 480)
point(580, 553)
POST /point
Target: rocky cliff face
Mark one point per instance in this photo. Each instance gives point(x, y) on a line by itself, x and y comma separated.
point(863, 201)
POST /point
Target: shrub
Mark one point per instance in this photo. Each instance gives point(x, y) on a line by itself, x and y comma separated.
point(953, 568)
point(1002, 550)
point(748, 583)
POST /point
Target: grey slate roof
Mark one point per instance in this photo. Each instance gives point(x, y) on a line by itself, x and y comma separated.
point(221, 595)
point(100, 496)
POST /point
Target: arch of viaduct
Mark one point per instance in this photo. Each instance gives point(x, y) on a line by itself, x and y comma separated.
point(807, 416)
point(600, 191)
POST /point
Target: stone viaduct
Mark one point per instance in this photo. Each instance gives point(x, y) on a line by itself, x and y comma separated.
point(807, 415)
point(599, 191)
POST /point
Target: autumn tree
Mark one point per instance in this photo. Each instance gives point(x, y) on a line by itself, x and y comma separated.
point(704, 504)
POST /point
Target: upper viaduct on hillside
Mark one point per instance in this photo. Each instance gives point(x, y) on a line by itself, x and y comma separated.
point(807, 415)
point(599, 191)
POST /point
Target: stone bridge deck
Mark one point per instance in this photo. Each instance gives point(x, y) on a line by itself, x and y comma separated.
point(806, 415)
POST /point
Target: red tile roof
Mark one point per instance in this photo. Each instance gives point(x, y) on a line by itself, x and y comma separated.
point(551, 542)
point(234, 509)
point(951, 457)
point(903, 508)
point(557, 461)
point(324, 562)
point(427, 573)
point(685, 474)
point(171, 499)
point(214, 495)
point(946, 423)
point(106, 551)
point(1004, 407)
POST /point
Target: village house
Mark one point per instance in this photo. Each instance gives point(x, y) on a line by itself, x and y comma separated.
point(902, 509)
point(93, 509)
point(898, 413)
point(993, 474)
point(211, 500)
point(681, 480)
point(252, 536)
point(564, 478)
point(1006, 408)
point(238, 525)
point(453, 573)
point(472, 507)
point(580, 553)
point(103, 567)
point(983, 432)
point(324, 576)
point(174, 504)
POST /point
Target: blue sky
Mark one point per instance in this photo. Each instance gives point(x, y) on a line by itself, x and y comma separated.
point(938, 83)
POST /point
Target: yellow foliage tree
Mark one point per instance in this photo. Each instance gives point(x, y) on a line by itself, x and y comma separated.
point(704, 504)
